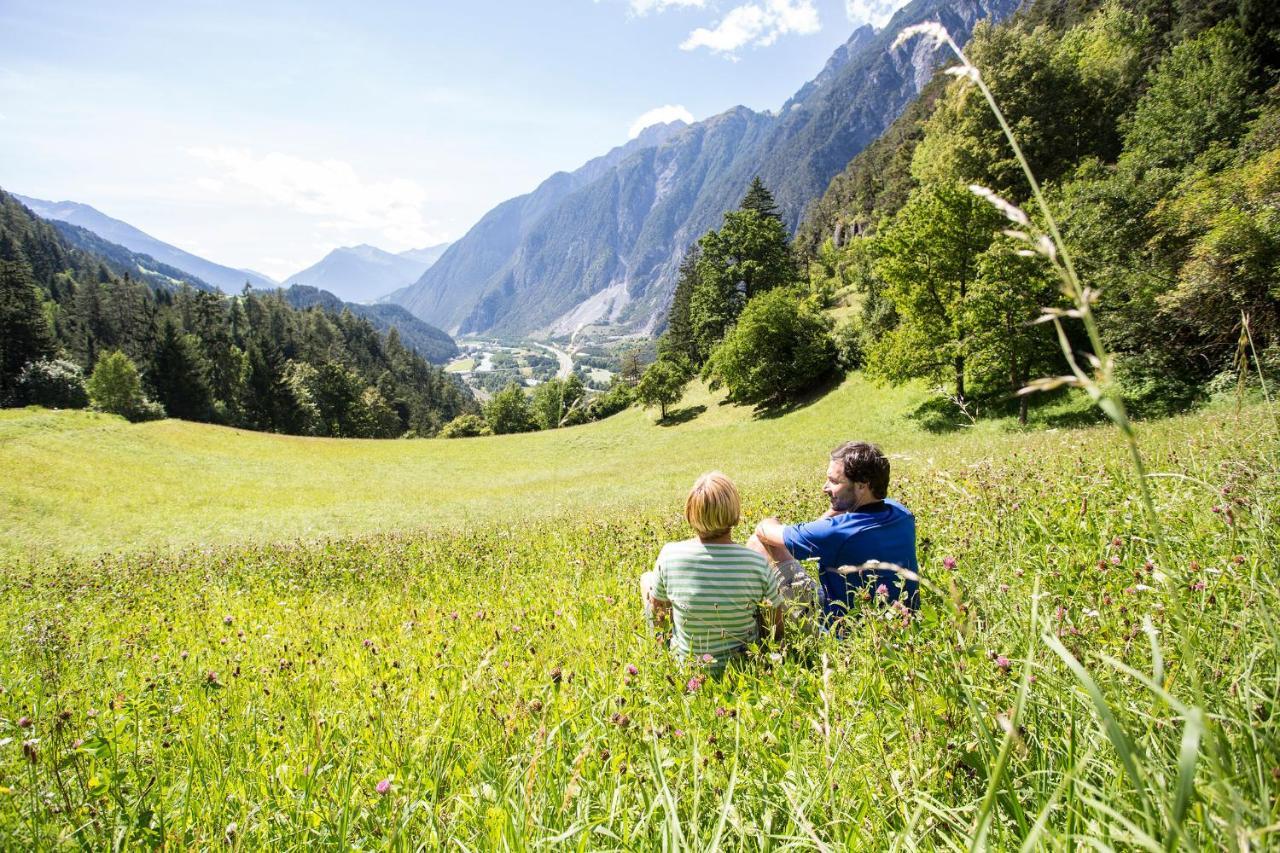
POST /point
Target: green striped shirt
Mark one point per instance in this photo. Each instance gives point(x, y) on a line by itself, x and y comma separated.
point(715, 592)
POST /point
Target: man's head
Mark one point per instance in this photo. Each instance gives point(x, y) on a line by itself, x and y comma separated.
point(858, 474)
point(713, 506)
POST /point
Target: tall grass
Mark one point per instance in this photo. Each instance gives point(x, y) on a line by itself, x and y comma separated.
point(257, 696)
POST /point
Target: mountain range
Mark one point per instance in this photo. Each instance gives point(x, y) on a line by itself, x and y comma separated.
point(122, 233)
point(364, 273)
point(602, 244)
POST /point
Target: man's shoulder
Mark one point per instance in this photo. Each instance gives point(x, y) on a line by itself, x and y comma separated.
point(899, 507)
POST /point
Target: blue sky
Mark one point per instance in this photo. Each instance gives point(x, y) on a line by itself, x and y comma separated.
point(262, 135)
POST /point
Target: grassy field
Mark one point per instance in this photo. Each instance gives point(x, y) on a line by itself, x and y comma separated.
point(78, 482)
point(410, 644)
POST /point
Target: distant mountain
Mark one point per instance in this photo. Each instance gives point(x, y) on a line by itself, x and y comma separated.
point(428, 341)
point(450, 288)
point(428, 255)
point(122, 261)
point(603, 244)
point(361, 273)
point(114, 231)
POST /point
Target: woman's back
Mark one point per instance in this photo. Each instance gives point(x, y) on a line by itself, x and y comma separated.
point(715, 591)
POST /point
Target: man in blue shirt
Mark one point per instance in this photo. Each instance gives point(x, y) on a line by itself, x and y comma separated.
point(865, 540)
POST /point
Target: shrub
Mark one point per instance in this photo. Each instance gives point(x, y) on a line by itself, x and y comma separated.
point(780, 347)
point(115, 387)
point(848, 343)
point(619, 396)
point(508, 411)
point(466, 426)
point(53, 382)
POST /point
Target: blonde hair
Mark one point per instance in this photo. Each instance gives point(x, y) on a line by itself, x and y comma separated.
point(713, 506)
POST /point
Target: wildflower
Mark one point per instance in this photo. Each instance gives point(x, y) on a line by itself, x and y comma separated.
point(882, 591)
point(227, 620)
point(30, 751)
point(720, 711)
point(556, 675)
point(1060, 613)
point(231, 830)
point(1003, 662)
point(24, 722)
point(631, 669)
point(368, 644)
point(454, 616)
point(1115, 559)
point(184, 654)
point(1197, 586)
point(383, 787)
point(677, 733)
point(1004, 587)
point(949, 563)
point(708, 658)
point(693, 684)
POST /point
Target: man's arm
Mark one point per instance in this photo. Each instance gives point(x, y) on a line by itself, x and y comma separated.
point(769, 533)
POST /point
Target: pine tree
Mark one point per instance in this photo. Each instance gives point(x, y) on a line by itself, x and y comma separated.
point(24, 330)
point(759, 199)
point(178, 376)
point(679, 340)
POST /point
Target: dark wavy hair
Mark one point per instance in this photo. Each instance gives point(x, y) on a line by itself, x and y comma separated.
point(864, 462)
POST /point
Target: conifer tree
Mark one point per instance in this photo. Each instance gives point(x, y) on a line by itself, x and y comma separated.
point(25, 335)
point(759, 199)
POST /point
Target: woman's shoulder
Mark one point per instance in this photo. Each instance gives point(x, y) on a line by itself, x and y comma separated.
point(682, 548)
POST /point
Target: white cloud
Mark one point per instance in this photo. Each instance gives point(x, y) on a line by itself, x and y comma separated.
point(874, 12)
point(756, 24)
point(659, 115)
point(644, 7)
point(330, 190)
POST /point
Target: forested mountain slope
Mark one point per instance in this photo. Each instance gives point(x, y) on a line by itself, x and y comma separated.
point(115, 231)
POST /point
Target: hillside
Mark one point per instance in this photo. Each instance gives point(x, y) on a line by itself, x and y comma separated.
point(424, 339)
point(115, 231)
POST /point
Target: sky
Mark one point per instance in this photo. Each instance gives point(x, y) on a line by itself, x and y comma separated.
point(262, 135)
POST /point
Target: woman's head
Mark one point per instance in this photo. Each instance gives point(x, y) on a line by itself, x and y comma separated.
point(713, 506)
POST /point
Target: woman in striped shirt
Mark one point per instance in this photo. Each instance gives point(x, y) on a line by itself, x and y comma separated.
point(709, 589)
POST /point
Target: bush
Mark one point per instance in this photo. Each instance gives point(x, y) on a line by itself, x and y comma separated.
point(780, 348)
point(509, 411)
point(466, 426)
point(619, 396)
point(115, 387)
point(848, 342)
point(53, 382)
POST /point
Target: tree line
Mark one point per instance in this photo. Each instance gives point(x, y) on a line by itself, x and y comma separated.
point(77, 328)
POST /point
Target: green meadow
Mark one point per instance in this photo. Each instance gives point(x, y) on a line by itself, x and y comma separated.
point(77, 482)
point(221, 638)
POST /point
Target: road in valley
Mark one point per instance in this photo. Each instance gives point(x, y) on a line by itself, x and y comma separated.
point(566, 361)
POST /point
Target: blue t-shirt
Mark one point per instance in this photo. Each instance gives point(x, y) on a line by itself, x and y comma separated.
point(884, 531)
